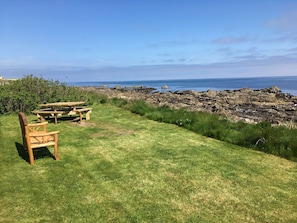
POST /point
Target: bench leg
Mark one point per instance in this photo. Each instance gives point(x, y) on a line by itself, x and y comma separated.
point(31, 155)
point(88, 115)
point(56, 153)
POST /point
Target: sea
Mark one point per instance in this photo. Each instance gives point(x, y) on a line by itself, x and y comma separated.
point(286, 84)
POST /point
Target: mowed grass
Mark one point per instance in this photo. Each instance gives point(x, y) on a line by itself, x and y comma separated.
point(120, 167)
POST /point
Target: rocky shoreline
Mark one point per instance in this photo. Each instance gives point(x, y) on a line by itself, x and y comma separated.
point(251, 106)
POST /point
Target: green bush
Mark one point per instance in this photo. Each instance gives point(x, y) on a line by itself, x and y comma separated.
point(25, 94)
point(103, 100)
point(119, 102)
point(141, 108)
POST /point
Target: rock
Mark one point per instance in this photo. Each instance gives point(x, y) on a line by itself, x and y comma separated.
point(272, 89)
point(211, 93)
point(244, 104)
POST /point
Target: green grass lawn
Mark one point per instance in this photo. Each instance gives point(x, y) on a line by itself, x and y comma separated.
point(120, 167)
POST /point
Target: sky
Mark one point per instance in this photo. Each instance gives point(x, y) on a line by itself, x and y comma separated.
point(122, 40)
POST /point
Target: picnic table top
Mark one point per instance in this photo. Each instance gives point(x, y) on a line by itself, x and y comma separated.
point(62, 104)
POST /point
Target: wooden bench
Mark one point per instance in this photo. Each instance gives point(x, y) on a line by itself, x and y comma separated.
point(35, 135)
point(44, 113)
point(83, 111)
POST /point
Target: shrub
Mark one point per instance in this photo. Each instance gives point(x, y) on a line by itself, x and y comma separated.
point(119, 102)
point(141, 108)
point(25, 94)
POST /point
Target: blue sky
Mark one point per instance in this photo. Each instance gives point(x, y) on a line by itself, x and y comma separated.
point(107, 40)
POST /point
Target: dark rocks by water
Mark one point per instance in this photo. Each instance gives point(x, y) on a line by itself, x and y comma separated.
point(244, 104)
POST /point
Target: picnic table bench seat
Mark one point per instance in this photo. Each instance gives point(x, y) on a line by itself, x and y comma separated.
point(83, 111)
point(44, 113)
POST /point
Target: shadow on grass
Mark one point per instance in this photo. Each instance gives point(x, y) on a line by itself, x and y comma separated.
point(38, 152)
point(51, 119)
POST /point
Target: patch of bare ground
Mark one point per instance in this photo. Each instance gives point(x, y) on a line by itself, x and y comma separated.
point(105, 130)
point(84, 124)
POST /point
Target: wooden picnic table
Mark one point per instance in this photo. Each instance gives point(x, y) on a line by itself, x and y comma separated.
point(57, 105)
point(62, 108)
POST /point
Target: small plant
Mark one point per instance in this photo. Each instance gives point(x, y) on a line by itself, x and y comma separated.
point(183, 122)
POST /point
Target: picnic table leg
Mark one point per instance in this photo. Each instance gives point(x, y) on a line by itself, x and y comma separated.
point(56, 118)
point(42, 118)
point(88, 115)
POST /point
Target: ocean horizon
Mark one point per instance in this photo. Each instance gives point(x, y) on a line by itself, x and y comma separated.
point(287, 84)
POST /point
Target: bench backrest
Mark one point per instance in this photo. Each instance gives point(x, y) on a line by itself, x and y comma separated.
point(23, 124)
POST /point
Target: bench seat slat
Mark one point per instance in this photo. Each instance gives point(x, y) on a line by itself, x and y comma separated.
point(47, 112)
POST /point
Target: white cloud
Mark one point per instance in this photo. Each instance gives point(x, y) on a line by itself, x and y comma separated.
point(287, 21)
point(249, 66)
point(230, 40)
point(281, 39)
point(173, 43)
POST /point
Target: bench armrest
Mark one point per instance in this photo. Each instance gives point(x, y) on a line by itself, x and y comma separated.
point(36, 134)
point(37, 124)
